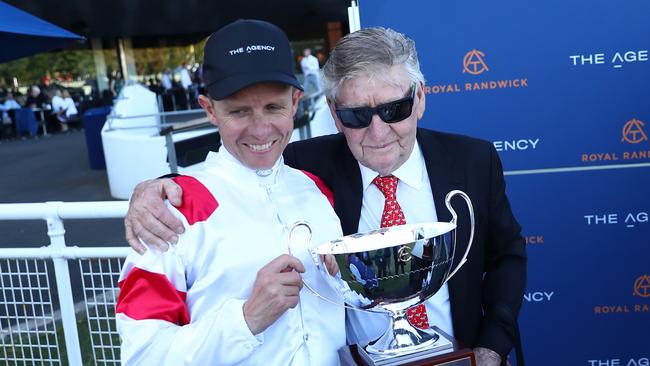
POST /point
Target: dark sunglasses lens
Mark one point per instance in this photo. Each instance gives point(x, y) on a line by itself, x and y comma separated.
point(392, 112)
point(396, 111)
point(355, 118)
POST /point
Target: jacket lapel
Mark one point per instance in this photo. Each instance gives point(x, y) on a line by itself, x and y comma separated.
point(348, 190)
point(439, 169)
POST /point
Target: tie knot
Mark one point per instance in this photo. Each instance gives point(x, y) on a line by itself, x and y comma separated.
point(387, 185)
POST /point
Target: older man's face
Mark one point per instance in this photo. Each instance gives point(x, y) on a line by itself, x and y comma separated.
point(255, 123)
point(382, 147)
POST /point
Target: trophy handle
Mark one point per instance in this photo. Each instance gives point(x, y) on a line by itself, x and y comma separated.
point(314, 258)
point(453, 221)
point(305, 224)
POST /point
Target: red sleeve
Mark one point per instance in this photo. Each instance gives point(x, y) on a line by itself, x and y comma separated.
point(198, 202)
point(148, 295)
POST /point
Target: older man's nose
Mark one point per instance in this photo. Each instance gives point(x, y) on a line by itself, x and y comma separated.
point(378, 128)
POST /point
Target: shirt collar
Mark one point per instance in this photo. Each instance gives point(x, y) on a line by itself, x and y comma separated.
point(410, 172)
point(263, 177)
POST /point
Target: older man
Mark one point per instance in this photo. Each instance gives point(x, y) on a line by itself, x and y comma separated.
point(229, 292)
point(375, 92)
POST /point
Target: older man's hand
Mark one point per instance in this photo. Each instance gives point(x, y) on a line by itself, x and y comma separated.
point(486, 357)
point(149, 219)
point(276, 289)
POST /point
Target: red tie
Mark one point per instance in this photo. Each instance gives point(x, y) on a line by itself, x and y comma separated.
point(393, 216)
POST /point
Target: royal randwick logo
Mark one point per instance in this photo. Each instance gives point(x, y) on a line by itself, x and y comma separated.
point(640, 292)
point(633, 135)
point(642, 286)
point(474, 62)
point(633, 132)
point(475, 66)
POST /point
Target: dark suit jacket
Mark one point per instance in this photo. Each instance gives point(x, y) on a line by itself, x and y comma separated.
point(494, 276)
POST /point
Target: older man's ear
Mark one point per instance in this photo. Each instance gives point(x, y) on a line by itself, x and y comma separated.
point(420, 94)
point(332, 107)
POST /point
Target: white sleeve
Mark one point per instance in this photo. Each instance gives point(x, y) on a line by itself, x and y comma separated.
point(221, 337)
point(154, 321)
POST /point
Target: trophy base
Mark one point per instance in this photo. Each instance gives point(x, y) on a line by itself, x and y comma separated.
point(443, 351)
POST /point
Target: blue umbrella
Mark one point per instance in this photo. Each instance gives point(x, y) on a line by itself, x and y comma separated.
point(22, 34)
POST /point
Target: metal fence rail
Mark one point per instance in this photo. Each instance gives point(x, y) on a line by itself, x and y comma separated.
point(28, 315)
point(27, 321)
point(99, 279)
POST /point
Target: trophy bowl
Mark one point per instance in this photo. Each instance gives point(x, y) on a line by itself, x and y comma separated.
point(393, 269)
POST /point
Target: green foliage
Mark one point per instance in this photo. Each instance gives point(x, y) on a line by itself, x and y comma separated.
point(80, 64)
point(29, 70)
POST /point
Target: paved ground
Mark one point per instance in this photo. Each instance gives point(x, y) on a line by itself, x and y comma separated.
point(53, 168)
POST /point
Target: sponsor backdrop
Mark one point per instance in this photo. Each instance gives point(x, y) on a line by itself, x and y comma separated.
point(562, 89)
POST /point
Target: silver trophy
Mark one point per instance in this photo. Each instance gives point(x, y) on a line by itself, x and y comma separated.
point(391, 270)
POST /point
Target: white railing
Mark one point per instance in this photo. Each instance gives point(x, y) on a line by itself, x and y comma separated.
point(28, 316)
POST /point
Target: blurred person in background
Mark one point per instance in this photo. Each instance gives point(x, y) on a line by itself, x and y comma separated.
point(311, 70)
point(167, 80)
point(64, 108)
point(36, 99)
point(115, 83)
point(7, 107)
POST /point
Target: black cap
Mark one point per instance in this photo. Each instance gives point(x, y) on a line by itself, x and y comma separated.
point(244, 53)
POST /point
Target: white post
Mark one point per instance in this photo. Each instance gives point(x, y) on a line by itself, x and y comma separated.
point(353, 16)
point(56, 232)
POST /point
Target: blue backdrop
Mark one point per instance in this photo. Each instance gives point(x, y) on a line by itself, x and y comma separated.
point(562, 89)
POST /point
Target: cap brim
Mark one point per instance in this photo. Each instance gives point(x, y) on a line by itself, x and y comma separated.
point(227, 87)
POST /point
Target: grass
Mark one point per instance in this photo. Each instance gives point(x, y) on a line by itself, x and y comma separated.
point(24, 349)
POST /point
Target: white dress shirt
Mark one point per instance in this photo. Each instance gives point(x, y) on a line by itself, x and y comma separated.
point(416, 200)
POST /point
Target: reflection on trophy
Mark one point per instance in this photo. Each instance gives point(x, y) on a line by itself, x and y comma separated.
point(402, 267)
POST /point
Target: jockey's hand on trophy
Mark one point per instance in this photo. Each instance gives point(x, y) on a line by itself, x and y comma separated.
point(276, 289)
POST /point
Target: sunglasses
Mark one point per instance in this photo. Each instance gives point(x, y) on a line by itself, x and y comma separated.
point(390, 112)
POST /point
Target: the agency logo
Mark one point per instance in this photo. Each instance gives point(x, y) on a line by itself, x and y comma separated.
point(617, 59)
point(516, 145)
point(632, 133)
point(475, 65)
point(538, 296)
point(634, 361)
point(642, 286)
point(474, 62)
point(252, 48)
point(630, 219)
